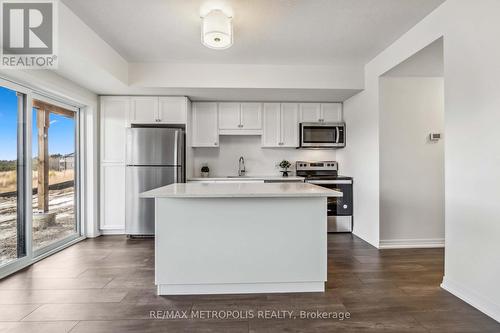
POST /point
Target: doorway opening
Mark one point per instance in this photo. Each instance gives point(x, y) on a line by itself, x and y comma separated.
point(412, 151)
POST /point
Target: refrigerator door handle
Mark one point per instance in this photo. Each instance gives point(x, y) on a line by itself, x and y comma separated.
point(176, 148)
point(176, 156)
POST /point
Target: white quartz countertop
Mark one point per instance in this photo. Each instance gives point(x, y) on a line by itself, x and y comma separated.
point(248, 178)
point(239, 190)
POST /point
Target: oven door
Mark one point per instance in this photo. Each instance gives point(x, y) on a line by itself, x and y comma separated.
point(322, 135)
point(338, 206)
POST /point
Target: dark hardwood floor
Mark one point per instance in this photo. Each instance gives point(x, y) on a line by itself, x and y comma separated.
point(107, 285)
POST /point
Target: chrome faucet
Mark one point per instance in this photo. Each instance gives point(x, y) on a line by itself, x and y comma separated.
point(241, 167)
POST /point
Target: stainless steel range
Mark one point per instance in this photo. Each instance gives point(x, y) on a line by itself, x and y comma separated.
point(325, 173)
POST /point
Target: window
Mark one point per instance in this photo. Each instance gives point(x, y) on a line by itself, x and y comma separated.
point(12, 227)
point(39, 173)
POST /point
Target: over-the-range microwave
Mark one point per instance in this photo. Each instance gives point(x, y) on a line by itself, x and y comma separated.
point(322, 135)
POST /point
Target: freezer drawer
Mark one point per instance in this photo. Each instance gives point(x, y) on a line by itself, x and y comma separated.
point(139, 218)
point(155, 146)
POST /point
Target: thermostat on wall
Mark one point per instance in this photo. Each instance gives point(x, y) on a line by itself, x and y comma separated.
point(435, 136)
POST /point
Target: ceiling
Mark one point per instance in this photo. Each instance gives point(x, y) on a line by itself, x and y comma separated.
point(305, 32)
point(247, 94)
point(428, 62)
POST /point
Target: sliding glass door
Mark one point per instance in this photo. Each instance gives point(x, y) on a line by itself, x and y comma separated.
point(54, 174)
point(12, 222)
point(39, 176)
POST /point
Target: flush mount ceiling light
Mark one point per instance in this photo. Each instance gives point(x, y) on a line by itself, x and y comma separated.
point(217, 30)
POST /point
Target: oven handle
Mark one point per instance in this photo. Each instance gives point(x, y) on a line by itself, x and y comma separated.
point(326, 182)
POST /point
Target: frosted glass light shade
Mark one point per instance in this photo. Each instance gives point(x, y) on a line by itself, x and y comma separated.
point(217, 30)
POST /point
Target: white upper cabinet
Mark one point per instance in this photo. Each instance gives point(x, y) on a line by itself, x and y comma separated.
point(320, 112)
point(251, 116)
point(289, 125)
point(113, 115)
point(240, 118)
point(172, 110)
point(229, 116)
point(165, 110)
point(280, 125)
point(331, 112)
point(310, 112)
point(271, 127)
point(143, 110)
point(205, 129)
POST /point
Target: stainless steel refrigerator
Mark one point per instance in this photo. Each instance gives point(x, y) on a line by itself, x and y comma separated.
point(155, 158)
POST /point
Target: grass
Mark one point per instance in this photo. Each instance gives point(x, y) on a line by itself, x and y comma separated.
point(8, 179)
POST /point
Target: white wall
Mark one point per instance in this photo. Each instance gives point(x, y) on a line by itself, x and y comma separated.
point(359, 159)
point(223, 161)
point(84, 57)
point(411, 166)
point(472, 181)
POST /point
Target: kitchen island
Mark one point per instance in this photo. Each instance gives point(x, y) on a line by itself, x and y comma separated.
point(240, 237)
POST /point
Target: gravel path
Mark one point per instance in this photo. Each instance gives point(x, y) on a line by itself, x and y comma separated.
point(61, 202)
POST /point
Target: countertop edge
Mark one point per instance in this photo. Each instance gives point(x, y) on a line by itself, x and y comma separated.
point(270, 195)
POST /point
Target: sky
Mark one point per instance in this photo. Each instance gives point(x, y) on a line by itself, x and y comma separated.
point(61, 129)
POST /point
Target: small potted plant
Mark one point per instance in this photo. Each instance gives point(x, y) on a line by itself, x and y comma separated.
point(284, 165)
point(205, 171)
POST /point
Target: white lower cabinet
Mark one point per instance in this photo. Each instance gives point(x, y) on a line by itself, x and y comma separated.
point(112, 197)
point(280, 125)
point(205, 125)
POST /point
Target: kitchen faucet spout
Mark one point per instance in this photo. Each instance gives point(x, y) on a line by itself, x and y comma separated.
point(241, 166)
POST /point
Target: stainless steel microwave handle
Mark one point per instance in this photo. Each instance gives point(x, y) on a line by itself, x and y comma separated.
point(338, 134)
point(332, 182)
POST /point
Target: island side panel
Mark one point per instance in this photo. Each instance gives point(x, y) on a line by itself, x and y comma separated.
point(240, 245)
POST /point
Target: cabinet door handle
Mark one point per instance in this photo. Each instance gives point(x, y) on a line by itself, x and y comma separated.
point(215, 143)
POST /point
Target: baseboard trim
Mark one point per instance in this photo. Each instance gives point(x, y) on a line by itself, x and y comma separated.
point(411, 243)
point(240, 288)
point(105, 232)
point(483, 304)
point(366, 239)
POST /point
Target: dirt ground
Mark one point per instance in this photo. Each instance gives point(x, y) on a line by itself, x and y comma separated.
point(61, 202)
